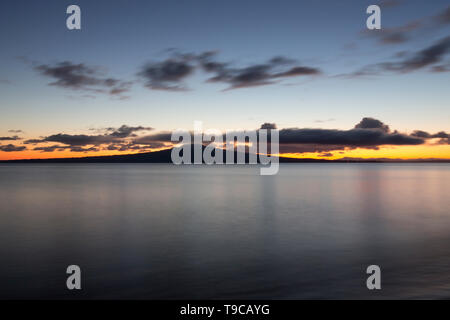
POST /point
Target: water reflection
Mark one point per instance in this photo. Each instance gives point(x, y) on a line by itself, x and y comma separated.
point(163, 231)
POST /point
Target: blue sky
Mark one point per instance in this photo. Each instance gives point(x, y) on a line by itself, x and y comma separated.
point(121, 37)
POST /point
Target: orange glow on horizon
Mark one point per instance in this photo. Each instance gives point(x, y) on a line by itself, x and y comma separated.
point(387, 152)
point(426, 151)
point(32, 154)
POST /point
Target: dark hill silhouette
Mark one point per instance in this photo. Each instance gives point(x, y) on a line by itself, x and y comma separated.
point(163, 156)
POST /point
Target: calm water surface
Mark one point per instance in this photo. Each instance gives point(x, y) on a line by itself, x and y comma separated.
point(156, 231)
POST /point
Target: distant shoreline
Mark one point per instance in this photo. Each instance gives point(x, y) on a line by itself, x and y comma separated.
point(163, 156)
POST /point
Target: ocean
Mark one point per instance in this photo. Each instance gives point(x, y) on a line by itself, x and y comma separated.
point(160, 231)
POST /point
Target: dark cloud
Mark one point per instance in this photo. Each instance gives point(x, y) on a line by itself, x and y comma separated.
point(410, 30)
point(113, 135)
point(120, 139)
point(421, 134)
point(443, 136)
point(157, 137)
point(130, 147)
point(444, 17)
point(394, 35)
point(423, 58)
point(133, 147)
point(170, 73)
point(354, 137)
point(371, 123)
point(310, 148)
point(11, 148)
point(10, 138)
point(81, 77)
point(51, 148)
point(15, 131)
point(426, 135)
point(81, 149)
point(368, 133)
point(112, 147)
point(296, 71)
point(254, 75)
point(326, 154)
point(432, 56)
point(268, 125)
point(80, 139)
point(33, 141)
point(126, 131)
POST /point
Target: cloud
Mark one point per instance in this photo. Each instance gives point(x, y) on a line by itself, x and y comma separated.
point(431, 56)
point(120, 139)
point(15, 131)
point(164, 136)
point(353, 137)
point(126, 131)
point(81, 149)
point(113, 135)
point(11, 148)
point(168, 74)
point(443, 136)
point(268, 125)
point(394, 35)
point(111, 147)
point(79, 139)
point(81, 77)
point(171, 73)
point(326, 154)
point(444, 17)
point(371, 123)
point(254, 75)
point(369, 133)
point(310, 148)
point(133, 147)
point(398, 34)
point(10, 138)
point(421, 134)
point(423, 58)
point(33, 141)
point(51, 148)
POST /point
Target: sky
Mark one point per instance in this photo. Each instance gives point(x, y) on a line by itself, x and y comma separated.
point(137, 69)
